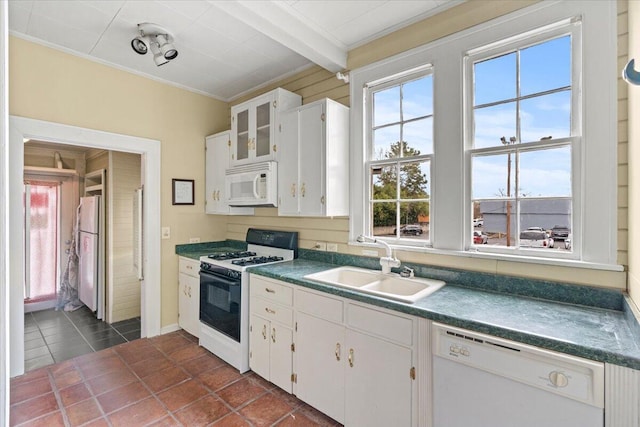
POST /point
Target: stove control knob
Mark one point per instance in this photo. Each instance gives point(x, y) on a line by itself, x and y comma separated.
point(558, 379)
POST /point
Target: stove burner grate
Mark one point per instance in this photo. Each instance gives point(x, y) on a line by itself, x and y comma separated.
point(231, 255)
point(256, 260)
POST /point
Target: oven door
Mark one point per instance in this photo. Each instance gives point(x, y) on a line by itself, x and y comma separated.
point(220, 306)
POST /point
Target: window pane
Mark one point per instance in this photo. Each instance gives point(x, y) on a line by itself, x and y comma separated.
point(384, 140)
point(384, 218)
point(492, 177)
point(414, 220)
point(492, 123)
point(545, 173)
point(386, 106)
point(495, 79)
point(414, 180)
point(419, 137)
point(545, 116)
point(545, 66)
point(551, 216)
point(495, 216)
point(384, 182)
point(417, 98)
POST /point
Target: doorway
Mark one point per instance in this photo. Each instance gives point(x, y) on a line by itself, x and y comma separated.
point(22, 129)
point(41, 230)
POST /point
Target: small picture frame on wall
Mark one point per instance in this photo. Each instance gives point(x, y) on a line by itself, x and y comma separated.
point(182, 192)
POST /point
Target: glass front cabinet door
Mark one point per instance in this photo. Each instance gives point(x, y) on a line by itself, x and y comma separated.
point(254, 136)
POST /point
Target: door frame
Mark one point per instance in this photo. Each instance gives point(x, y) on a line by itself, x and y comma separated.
point(21, 129)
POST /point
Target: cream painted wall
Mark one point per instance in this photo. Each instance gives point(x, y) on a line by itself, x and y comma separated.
point(316, 83)
point(50, 85)
point(633, 24)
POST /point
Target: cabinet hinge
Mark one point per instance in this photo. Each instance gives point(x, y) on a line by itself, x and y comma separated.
point(294, 378)
point(279, 128)
point(275, 104)
point(250, 328)
point(412, 373)
point(296, 327)
point(229, 143)
point(322, 117)
point(250, 355)
point(293, 347)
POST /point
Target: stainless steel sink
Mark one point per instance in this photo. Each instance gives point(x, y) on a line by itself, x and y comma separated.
point(374, 282)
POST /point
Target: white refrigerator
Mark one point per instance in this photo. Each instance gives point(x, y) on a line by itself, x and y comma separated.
point(91, 258)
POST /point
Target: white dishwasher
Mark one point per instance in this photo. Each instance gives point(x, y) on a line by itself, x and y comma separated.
point(484, 381)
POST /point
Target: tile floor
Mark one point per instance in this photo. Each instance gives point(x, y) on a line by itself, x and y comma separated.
point(164, 381)
point(52, 336)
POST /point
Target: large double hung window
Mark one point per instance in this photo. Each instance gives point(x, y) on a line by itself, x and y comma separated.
point(524, 129)
point(400, 156)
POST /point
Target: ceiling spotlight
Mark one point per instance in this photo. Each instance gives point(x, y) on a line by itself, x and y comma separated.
point(157, 39)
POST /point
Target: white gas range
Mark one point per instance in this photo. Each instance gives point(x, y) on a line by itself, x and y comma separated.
point(224, 292)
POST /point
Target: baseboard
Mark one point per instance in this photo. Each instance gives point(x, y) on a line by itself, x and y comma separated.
point(169, 328)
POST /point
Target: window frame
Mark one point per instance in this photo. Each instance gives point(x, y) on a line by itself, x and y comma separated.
point(568, 27)
point(370, 89)
point(595, 166)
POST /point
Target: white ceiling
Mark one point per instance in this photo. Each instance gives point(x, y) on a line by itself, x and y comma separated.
point(226, 47)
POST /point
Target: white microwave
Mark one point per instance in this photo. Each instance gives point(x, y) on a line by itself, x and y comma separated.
point(252, 185)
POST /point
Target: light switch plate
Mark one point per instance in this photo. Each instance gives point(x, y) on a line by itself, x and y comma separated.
point(166, 232)
point(332, 247)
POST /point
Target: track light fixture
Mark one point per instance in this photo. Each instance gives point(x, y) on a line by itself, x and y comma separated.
point(157, 39)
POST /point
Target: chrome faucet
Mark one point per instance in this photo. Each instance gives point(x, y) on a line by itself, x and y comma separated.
point(386, 262)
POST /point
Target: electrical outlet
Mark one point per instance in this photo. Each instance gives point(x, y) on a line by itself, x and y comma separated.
point(332, 247)
point(369, 252)
point(320, 246)
point(166, 232)
point(194, 240)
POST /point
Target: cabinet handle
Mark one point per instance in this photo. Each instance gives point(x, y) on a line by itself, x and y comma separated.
point(189, 267)
point(271, 291)
point(273, 334)
point(264, 331)
point(275, 148)
point(293, 190)
point(303, 189)
point(268, 310)
point(322, 200)
point(351, 357)
point(189, 291)
point(338, 351)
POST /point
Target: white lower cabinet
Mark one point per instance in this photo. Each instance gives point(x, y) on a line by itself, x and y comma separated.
point(320, 364)
point(189, 295)
point(270, 331)
point(354, 362)
point(378, 386)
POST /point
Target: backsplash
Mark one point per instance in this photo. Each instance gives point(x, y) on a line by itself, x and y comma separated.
point(610, 299)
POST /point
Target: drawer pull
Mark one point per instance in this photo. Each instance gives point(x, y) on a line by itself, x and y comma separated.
point(273, 334)
point(351, 357)
point(264, 331)
point(338, 351)
point(189, 267)
point(270, 311)
point(271, 291)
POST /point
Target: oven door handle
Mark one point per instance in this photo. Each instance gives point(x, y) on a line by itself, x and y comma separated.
point(221, 279)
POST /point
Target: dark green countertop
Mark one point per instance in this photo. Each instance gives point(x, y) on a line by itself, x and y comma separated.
point(604, 335)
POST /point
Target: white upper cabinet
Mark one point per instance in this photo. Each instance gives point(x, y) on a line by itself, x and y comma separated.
point(218, 159)
point(254, 124)
point(313, 159)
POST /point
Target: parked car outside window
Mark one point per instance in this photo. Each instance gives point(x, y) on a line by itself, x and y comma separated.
point(410, 229)
point(479, 238)
point(478, 222)
point(559, 232)
point(535, 239)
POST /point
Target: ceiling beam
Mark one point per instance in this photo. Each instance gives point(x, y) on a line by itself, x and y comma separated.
point(280, 22)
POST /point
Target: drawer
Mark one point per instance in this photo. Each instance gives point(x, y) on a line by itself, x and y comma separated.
point(271, 311)
point(270, 290)
point(188, 266)
point(321, 306)
point(385, 325)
